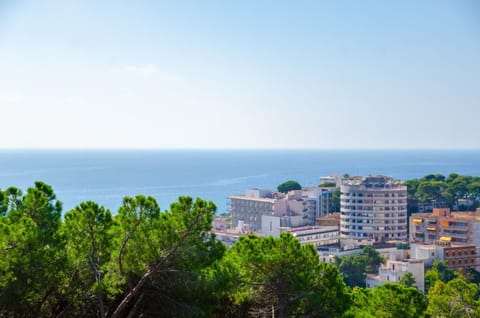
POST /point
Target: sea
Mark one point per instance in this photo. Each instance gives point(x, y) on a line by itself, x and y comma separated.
point(106, 176)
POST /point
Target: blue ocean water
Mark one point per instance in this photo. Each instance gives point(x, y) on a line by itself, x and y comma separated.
point(107, 176)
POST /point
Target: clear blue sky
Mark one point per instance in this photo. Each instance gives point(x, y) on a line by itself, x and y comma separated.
point(240, 74)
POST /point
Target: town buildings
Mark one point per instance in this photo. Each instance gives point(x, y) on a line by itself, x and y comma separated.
point(315, 235)
point(373, 207)
point(445, 225)
point(247, 210)
point(293, 209)
point(457, 232)
point(455, 256)
point(398, 265)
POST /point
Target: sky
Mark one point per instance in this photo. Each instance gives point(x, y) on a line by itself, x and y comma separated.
point(240, 74)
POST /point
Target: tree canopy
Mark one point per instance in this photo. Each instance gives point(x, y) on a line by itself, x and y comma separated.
point(278, 276)
point(289, 186)
point(354, 268)
point(327, 185)
point(439, 191)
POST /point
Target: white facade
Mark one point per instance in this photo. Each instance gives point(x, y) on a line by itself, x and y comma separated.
point(335, 178)
point(396, 267)
point(316, 235)
point(373, 208)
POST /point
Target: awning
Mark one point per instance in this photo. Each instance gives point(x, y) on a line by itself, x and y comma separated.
point(431, 228)
point(445, 238)
point(417, 220)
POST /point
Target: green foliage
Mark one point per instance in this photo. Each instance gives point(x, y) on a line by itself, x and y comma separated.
point(327, 185)
point(456, 298)
point(443, 192)
point(390, 301)
point(268, 274)
point(32, 252)
point(289, 186)
point(408, 280)
point(396, 300)
point(335, 200)
point(373, 259)
point(161, 260)
point(355, 267)
point(470, 275)
point(439, 272)
point(87, 229)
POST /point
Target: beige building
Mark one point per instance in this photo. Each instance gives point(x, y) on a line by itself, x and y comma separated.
point(373, 207)
point(447, 226)
point(296, 208)
point(454, 255)
point(247, 210)
point(458, 230)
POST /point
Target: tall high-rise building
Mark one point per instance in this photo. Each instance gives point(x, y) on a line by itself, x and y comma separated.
point(373, 207)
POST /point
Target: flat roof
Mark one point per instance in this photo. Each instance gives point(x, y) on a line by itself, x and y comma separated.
point(454, 215)
point(245, 198)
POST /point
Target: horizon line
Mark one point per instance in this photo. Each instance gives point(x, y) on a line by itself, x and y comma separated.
point(228, 149)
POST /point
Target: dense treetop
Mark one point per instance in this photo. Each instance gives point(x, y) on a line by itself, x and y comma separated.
point(289, 186)
point(437, 190)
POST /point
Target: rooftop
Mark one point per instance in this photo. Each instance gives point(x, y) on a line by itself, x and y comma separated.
point(246, 198)
point(374, 182)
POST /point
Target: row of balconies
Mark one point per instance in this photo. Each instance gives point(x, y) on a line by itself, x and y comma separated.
point(374, 217)
point(350, 207)
point(361, 190)
point(375, 211)
point(374, 229)
point(371, 222)
point(459, 235)
point(458, 228)
point(379, 214)
point(384, 204)
point(460, 256)
point(373, 202)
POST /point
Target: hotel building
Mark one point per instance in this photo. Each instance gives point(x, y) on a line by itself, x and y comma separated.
point(373, 207)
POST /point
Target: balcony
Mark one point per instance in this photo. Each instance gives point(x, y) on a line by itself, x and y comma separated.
point(457, 235)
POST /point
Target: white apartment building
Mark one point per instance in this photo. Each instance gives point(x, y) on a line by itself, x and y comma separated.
point(396, 267)
point(373, 207)
point(316, 235)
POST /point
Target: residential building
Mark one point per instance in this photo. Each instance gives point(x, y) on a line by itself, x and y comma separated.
point(316, 235)
point(335, 179)
point(247, 210)
point(373, 207)
point(445, 225)
point(296, 208)
point(455, 256)
point(332, 219)
point(397, 266)
point(325, 204)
